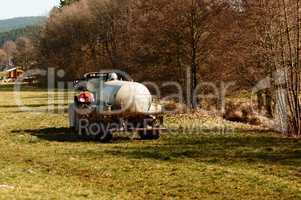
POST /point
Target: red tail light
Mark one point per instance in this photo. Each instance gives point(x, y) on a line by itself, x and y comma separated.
point(85, 97)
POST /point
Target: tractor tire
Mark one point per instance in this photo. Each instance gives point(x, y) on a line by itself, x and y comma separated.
point(93, 133)
point(100, 135)
point(106, 137)
point(151, 134)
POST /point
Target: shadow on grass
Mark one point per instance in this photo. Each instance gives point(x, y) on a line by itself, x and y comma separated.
point(258, 148)
point(63, 135)
point(220, 149)
point(53, 134)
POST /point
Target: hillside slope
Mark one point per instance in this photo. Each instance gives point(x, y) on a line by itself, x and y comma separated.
point(20, 22)
point(29, 31)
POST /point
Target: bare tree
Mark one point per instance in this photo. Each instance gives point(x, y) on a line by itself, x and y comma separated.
point(3, 57)
point(10, 49)
point(25, 54)
point(278, 46)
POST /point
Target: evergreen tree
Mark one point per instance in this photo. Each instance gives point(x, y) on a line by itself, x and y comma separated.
point(66, 2)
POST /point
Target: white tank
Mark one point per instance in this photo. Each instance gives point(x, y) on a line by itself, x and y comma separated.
point(129, 96)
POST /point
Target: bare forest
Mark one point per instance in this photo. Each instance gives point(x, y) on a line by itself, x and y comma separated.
point(241, 41)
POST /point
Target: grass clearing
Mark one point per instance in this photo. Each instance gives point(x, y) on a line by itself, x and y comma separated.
point(41, 158)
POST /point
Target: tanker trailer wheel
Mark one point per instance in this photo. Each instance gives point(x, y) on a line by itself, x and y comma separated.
point(150, 134)
point(100, 132)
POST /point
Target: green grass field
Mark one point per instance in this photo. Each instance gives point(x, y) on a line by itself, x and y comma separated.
point(41, 158)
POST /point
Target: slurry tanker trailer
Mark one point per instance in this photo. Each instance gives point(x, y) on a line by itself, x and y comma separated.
point(110, 102)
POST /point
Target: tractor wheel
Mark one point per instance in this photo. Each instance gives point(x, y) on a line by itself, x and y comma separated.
point(82, 134)
point(98, 134)
point(93, 132)
point(105, 136)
